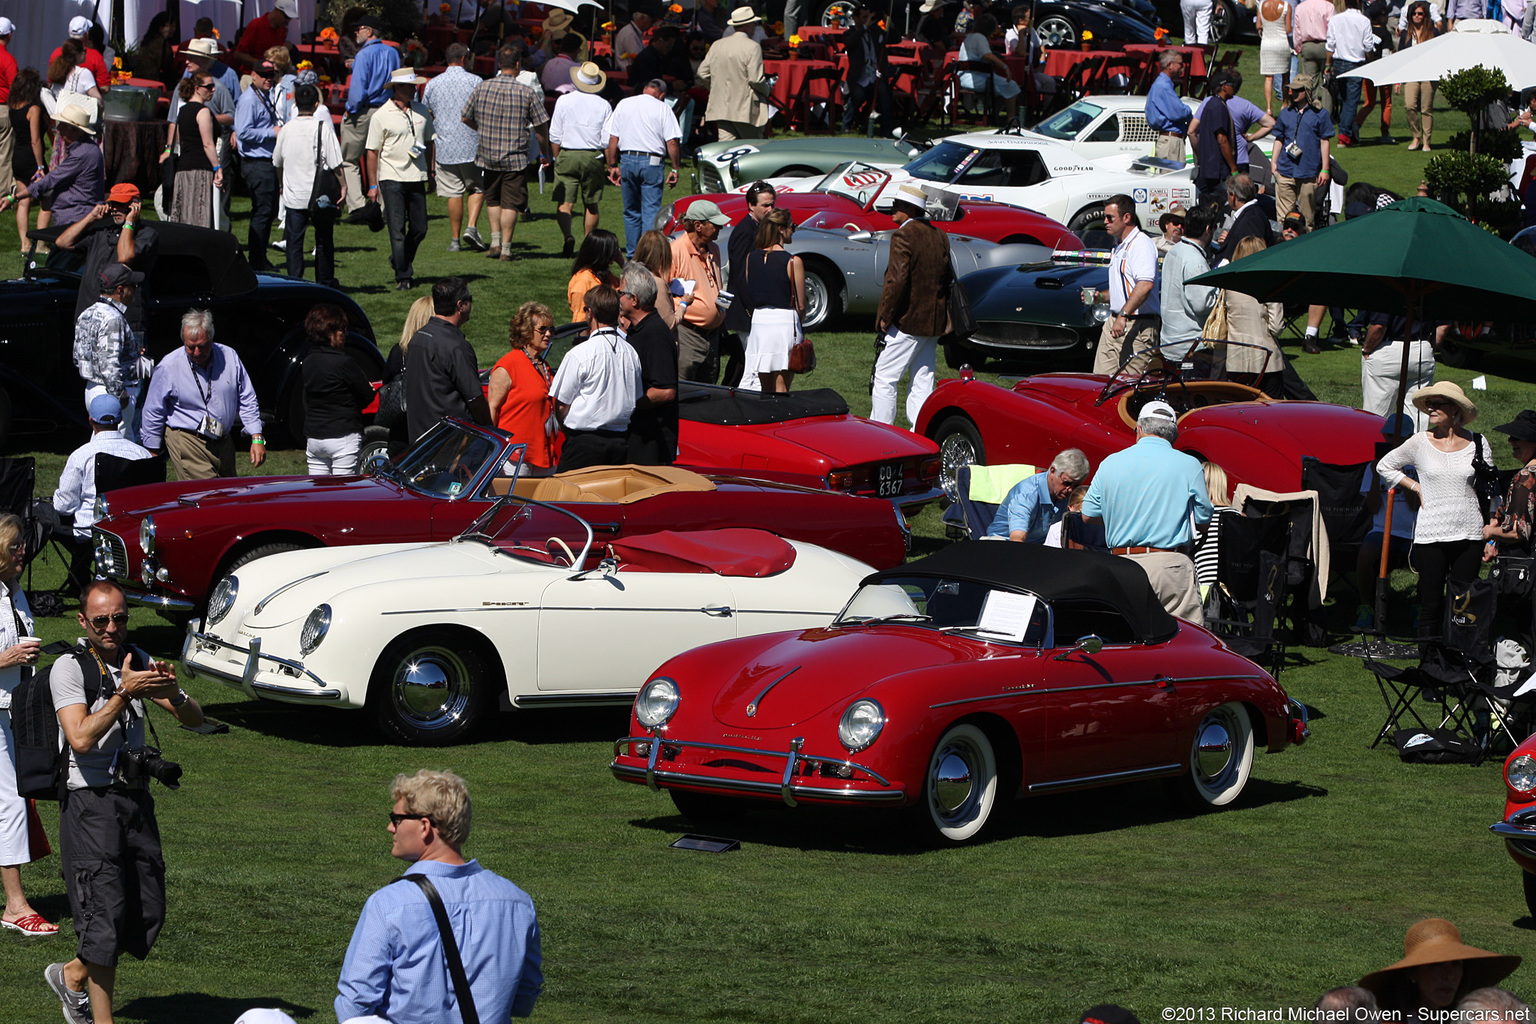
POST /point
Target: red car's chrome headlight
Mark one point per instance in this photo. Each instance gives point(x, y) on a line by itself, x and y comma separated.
point(656, 702)
point(1520, 775)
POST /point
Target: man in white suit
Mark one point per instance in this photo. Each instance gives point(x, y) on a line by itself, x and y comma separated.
point(738, 89)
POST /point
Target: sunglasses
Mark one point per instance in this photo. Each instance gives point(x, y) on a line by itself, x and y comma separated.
point(100, 621)
point(396, 819)
point(1443, 406)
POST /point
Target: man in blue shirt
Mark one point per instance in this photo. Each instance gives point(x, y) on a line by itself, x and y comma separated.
point(1302, 135)
point(1038, 501)
point(395, 965)
point(195, 396)
point(256, 127)
point(1146, 496)
point(1167, 113)
point(369, 90)
point(1215, 152)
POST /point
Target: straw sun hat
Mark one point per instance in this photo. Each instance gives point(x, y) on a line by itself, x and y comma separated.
point(1438, 941)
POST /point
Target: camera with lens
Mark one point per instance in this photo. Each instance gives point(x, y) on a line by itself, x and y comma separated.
point(146, 763)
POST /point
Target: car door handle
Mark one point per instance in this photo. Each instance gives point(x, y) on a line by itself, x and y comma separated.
point(719, 611)
point(1164, 683)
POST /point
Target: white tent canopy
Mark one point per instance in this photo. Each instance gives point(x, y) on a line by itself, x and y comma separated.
point(40, 27)
point(1471, 42)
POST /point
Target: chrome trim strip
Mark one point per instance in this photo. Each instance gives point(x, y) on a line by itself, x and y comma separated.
point(576, 700)
point(285, 588)
point(1088, 686)
point(1094, 780)
point(860, 796)
point(919, 498)
point(162, 601)
point(752, 707)
point(1510, 830)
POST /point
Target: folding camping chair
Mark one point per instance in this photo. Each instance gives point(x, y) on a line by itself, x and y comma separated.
point(1341, 502)
point(1252, 582)
point(1307, 559)
point(979, 490)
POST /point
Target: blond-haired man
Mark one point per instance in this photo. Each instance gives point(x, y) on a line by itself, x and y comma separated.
point(395, 962)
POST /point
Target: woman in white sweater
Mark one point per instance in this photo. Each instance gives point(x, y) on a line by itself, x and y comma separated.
point(1448, 536)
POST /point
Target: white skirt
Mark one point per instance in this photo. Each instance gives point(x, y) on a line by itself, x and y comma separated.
point(774, 333)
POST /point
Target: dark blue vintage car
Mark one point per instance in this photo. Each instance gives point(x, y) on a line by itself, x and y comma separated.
point(1034, 313)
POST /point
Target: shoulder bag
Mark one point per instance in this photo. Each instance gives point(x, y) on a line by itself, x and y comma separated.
point(461, 989)
point(1485, 479)
point(802, 354)
point(325, 190)
point(391, 412)
point(1216, 327)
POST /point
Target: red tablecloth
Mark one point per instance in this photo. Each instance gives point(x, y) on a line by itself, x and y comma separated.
point(814, 51)
point(1194, 56)
point(1059, 62)
point(820, 32)
point(791, 73)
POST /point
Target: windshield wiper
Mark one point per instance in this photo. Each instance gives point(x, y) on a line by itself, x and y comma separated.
point(978, 629)
point(877, 619)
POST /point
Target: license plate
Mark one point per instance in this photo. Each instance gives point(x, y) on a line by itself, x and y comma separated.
point(888, 480)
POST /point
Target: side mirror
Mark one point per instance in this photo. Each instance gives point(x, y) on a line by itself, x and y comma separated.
point(375, 464)
point(861, 236)
point(1089, 644)
point(609, 566)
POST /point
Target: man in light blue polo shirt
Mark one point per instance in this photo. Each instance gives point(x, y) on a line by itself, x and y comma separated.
point(1149, 496)
point(1038, 501)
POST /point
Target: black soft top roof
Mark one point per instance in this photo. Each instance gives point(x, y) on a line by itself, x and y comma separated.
point(728, 407)
point(1054, 574)
point(191, 260)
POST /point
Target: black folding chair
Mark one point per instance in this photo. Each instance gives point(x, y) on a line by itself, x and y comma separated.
point(1341, 503)
point(1243, 606)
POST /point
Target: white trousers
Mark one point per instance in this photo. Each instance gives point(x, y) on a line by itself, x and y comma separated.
point(14, 845)
point(1197, 21)
point(333, 456)
point(903, 352)
point(1382, 369)
point(130, 421)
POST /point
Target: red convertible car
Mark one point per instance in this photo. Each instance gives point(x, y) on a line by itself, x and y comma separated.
point(845, 200)
point(1518, 828)
point(1256, 439)
point(952, 684)
point(168, 543)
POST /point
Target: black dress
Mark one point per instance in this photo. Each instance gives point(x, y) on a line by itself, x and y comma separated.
point(23, 162)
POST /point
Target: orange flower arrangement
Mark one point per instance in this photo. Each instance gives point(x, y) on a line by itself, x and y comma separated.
point(305, 65)
point(608, 26)
point(328, 35)
point(445, 8)
point(1160, 34)
point(795, 41)
point(215, 33)
point(676, 8)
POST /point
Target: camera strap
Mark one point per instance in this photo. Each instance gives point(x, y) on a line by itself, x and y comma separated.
point(466, 998)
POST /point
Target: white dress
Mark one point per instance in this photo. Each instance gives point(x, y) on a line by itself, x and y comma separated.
point(775, 323)
point(15, 847)
point(1274, 49)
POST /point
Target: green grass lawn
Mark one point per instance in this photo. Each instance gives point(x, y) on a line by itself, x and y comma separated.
point(278, 832)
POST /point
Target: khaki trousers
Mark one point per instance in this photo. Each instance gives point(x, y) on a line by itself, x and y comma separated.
point(7, 147)
point(1170, 147)
point(1173, 578)
point(737, 130)
point(697, 353)
point(199, 459)
point(1140, 338)
point(1419, 101)
point(354, 142)
point(1296, 194)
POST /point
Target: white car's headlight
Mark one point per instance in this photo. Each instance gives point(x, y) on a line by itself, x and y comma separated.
point(222, 599)
point(1521, 773)
point(147, 535)
point(315, 628)
point(656, 702)
point(860, 725)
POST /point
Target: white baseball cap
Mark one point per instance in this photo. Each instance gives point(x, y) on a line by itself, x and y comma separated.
point(264, 1016)
point(288, 7)
point(78, 27)
point(1162, 409)
point(7, 26)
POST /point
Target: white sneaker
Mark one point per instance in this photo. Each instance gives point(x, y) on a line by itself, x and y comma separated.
point(471, 240)
point(281, 243)
point(77, 1005)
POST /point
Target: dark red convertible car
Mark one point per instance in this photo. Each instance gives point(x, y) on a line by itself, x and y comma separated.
point(845, 201)
point(1256, 439)
point(1518, 827)
point(168, 543)
point(953, 684)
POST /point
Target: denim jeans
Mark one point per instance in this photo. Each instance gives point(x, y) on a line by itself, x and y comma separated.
point(261, 179)
point(295, 224)
point(1350, 101)
point(640, 184)
point(405, 212)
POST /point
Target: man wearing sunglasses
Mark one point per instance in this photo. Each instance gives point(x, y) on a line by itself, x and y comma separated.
point(109, 841)
point(397, 964)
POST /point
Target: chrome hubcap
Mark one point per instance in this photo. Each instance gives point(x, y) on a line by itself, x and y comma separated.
point(952, 787)
point(1055, 32)
point(1213, 750)
point(815, 300)
point(431, 688)
point(955, 451)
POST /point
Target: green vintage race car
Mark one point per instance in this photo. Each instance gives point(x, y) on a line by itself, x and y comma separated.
point(727, 166)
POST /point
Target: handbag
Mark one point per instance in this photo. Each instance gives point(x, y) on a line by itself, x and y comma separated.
point(325, 190)
point(391, 412)
point(1216, 327)
point(461, 988)
point(1485, 479)
point(802, 356)
point(1513, 575)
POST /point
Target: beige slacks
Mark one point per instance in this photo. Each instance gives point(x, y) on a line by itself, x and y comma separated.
point(199, 459)
point(1419, 101)
point(1134, 350)
point(1296, 194)
point(1173, 578)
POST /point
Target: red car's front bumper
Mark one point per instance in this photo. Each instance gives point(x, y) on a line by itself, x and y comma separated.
point(805, 778)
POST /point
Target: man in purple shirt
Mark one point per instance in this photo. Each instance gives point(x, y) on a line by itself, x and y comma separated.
point(195, 396)
point(78, 180)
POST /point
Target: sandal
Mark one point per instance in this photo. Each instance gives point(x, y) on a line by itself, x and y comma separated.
point(33, 925)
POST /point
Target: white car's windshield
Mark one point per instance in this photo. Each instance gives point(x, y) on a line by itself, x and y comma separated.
point(1069, 123)
point(951, 606)
point(944, 162)
point(532, 530)
point(855, 181)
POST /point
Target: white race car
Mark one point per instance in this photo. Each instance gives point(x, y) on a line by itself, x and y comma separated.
point(1097, 127)
point(1026, 170)
point(521, 608)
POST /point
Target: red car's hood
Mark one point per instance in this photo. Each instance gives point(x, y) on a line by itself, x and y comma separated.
point(804, 674)
point(855, 440)
point(140, 500)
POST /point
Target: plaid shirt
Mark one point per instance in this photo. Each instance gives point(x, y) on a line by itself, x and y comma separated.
point(504, 111)
point(105, 350)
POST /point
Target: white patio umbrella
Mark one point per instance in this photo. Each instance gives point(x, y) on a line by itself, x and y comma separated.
point(574, 6)
point(1471, 42)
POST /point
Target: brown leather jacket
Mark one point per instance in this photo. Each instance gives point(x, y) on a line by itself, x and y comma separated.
point(916, 293)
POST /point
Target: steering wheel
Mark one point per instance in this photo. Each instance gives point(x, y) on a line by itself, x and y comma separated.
point(555, 542)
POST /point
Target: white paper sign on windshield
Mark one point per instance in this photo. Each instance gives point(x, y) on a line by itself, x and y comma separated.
point(1007, 614)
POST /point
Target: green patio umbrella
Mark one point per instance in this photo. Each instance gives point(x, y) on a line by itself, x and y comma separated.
point(1416, 256)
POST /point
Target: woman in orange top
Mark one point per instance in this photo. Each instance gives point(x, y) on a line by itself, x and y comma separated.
point(599, 251)
point(519, 388)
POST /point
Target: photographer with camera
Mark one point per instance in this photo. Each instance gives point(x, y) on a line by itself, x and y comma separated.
point(110, 843)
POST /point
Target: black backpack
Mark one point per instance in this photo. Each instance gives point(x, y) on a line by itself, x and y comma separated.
point(42, 756)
